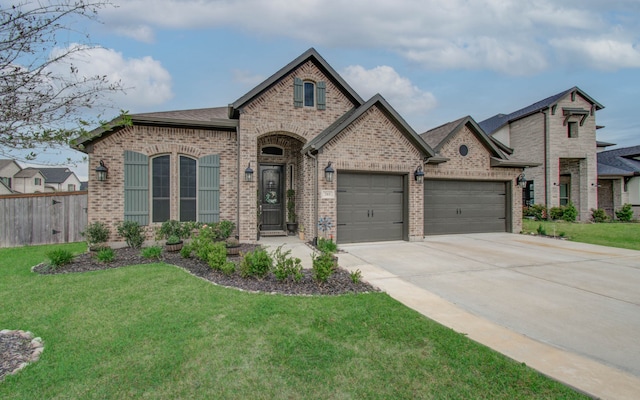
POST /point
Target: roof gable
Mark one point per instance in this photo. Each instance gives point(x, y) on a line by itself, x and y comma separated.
point(621, 161)
point(56, 175)
point(28, 173)
point(310, 55)
point(439, 136)
point(496, 122)
point(376, 101)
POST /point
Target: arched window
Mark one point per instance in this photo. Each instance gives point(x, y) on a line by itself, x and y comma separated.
point(272, 151)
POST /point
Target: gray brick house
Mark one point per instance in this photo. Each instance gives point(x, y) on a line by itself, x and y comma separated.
point(559, 133)
point(289, 131)
point(619, 179)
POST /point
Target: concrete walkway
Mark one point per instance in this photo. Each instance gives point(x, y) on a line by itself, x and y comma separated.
point(504, 291)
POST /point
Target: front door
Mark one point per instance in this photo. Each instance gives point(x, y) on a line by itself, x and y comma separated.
point(272, 197)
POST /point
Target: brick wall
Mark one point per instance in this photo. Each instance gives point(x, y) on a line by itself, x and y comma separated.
point(106, 199)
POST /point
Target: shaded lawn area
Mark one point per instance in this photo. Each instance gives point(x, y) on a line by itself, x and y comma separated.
point(155, 331)
point(615, 234)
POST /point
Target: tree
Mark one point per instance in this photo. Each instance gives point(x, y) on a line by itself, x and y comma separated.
point(43, 97)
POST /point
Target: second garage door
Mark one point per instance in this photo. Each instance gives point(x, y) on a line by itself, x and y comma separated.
point(370, 208)
point(464, 207)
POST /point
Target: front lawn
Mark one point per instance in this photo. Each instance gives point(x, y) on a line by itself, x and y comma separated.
point(615, 234)
point(154, 331)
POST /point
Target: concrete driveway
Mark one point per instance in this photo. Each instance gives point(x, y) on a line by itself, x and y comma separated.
point(579, 303)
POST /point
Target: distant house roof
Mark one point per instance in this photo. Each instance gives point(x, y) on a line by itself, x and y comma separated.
point(56, 175)
point(84, 185)
point(6, 162)
point(438, 137)
point(496, 122)
point(28, 173)
point(619, 162)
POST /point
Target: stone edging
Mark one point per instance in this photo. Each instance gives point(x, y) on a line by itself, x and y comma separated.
point(37, 347)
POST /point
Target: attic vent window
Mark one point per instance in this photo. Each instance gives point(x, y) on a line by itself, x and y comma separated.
point(464, 150)
point(272, 151)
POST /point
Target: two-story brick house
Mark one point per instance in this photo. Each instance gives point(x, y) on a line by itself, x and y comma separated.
point(559, 133)
point(354, 164)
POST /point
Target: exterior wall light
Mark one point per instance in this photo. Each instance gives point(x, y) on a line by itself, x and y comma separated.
point(248, 173)
point(521, 181)
point(101, 172)
point(418, 174)
point(328, 172)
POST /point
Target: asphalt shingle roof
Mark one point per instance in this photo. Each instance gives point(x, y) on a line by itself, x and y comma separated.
point(621, 161)
point(56, 175)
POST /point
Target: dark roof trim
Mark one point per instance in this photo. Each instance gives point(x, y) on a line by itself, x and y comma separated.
point(437, 160)
point(501, 163)
point(310, 54)
point(604, 144)
point(484, 138)
point(502, 146)
point(324, 137)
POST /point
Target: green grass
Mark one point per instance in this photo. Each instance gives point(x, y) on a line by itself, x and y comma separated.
point(154, 331)
point(616, 234)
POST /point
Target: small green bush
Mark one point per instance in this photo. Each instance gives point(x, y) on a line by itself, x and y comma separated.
point(356, 276)
point(327, 246)
point(186, 251)
point(541, 230)
point(225, 229)
point(323, 266)
point(256, 263)
point(286, 266)
point(172, 229)
point(625, 214)
point(228, 268)
point(96, 233)
point(570, 213)
point(132, 232)
point(538, 211)
point(105, 255)
point(599, 215)
point(59, 257)
point(556, 212)
point(216, 255)
point(152, 252)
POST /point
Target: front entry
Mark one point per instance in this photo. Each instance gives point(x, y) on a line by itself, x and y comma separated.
point(272, 197)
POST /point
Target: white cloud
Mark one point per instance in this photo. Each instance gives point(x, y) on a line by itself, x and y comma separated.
point(146, 81)
point(141, 33)
point(247, 78)
point(509, 36)
point(605, 54)
point(404, 96)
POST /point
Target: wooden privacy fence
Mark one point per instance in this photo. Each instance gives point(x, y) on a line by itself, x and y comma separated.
point(42, 218)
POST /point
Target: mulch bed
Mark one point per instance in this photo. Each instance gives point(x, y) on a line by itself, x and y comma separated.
point(339, 283)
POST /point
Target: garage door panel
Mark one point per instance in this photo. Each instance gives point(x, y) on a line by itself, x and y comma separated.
point(370, 208)
point(452, 206)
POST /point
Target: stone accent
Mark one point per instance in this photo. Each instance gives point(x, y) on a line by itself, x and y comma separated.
point(20, 359)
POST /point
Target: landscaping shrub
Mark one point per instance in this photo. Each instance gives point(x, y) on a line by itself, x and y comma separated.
point(323, 266)
point(105, 255)
point(327, 246)
point(599, 215)
point(538, 211)
point(132, 232)
point(174, 231)
point(216, 255)
point(152, 252)
point(556, 212)
point(356, 276)
point(96, 233)
point(570, 213)
point(625, 214)
point(286, 266)
point(186, 251)
point(541, 230)
point(228, 268)
point(225, 229)
point(256, 263)
point(59, 257)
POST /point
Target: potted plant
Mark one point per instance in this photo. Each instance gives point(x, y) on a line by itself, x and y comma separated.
point(292, 225)
point(233, 246)
point(173, 232)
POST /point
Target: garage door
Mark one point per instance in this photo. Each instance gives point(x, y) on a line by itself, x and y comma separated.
point(370, 208)
point(464, 207)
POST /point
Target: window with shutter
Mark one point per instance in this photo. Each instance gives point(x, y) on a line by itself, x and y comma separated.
point(321, 96)
point(297, 92)
point(209, 189)
point(309, 94)
point(136, 187)
point(188, 189)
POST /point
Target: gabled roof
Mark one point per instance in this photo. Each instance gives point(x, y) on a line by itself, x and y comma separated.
point(496, 122)
point(347, 119)
point(6, 162)
point(56, 175)
point(619, 162)
point(438, 137)
point(6, 188)
point(28, 173)
point(309, 55)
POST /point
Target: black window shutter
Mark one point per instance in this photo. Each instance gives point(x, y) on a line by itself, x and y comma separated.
point(297, 92)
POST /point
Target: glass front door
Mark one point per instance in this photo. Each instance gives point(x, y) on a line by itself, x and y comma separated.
point(272, 197)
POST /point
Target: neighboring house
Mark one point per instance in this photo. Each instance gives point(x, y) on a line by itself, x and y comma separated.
point(619, 179)
point(4, 189)
point(291, 132)
point(559, 133)
point(60, 180)
point(8, 168)
point(29, 180)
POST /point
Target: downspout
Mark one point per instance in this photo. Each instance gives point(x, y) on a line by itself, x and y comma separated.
point(315, 194)
point(545, 162)
point(238, 175)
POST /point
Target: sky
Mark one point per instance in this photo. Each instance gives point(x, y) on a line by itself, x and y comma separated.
point(434, 61)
